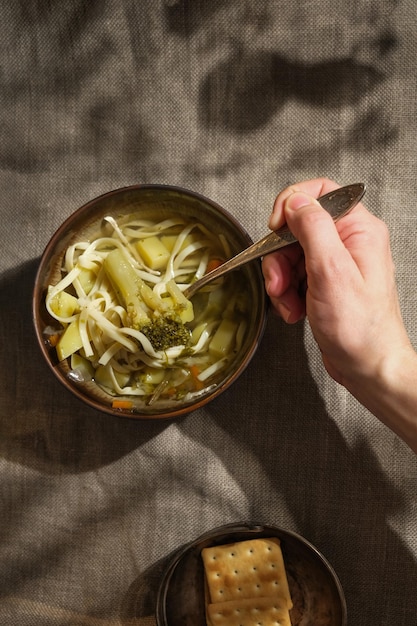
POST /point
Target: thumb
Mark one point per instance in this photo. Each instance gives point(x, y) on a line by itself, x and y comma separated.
point(312, 225)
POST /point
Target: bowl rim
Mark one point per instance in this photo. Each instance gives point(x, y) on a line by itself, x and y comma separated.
point(245, 528)
point(37, 297)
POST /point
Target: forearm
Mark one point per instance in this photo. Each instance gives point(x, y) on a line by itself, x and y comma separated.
point(392, 395)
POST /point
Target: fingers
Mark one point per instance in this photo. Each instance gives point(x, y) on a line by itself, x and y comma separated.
point(290, 306)
point(284, 272)
point(315, 188)
point(314, 229)
point(327, 252)
point(361, 232)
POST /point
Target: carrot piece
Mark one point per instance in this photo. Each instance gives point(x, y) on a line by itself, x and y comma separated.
point(213, 264)
point(53, 339)
point(194, 371)
point(122, 404)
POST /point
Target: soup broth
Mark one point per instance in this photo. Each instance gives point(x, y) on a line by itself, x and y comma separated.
point(121, 318)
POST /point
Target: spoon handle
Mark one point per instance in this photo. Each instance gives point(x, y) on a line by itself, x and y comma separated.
point(337, 203)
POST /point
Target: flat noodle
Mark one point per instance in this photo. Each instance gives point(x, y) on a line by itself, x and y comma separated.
point(115, 348)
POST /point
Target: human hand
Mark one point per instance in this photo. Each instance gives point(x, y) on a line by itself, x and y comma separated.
point(342, 277)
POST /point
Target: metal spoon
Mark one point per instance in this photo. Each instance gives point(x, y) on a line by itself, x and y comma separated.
point(337, 203)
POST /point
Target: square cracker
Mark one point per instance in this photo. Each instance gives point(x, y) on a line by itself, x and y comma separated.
point(246, 569)
point(249, 612)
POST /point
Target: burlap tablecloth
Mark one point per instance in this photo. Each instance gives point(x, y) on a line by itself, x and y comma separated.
point(233, 99)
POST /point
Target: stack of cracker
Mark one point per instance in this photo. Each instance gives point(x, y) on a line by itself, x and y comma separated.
point(246, 584)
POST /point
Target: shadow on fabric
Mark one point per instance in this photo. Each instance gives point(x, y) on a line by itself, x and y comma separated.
point(186, 16)
point(42, 424)
point(337, 494)
point(242, 94)
point(139, 602)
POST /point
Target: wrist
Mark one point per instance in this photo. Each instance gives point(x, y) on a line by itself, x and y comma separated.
point(391, 393)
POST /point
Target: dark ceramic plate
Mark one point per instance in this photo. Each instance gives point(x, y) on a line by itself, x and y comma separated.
point(315, 589)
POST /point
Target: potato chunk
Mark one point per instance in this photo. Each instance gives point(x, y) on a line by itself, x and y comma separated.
point(69, 342)
point(153, 252)
point(64, 304)
point(223, 339)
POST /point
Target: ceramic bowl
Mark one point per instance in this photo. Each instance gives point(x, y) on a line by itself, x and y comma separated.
point(151, 202)
point(315, 589)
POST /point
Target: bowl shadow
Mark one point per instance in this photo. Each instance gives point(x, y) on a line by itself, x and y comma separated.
point(43, 425)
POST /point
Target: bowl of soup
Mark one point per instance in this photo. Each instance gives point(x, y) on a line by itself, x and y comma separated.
point(111, 313)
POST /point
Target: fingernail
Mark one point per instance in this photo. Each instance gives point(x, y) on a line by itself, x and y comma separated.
point(298, 199)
